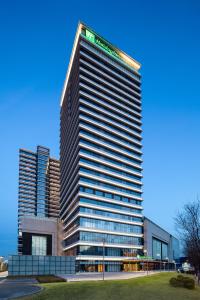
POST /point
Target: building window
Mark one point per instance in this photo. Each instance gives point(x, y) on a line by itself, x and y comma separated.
point(39, 245)
point(160, 249)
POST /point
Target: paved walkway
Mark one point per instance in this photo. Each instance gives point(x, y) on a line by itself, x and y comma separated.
point(13, 288)
point(107, 276)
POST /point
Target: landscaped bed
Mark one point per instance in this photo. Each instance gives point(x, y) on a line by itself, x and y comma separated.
point(40, 278)
point(49, 279)
point(153, 287)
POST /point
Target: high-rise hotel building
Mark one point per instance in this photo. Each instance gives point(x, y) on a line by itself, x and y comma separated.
point(39, 194)
point(101, 155)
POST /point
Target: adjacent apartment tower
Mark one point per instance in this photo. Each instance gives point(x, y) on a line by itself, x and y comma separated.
point(39, 194)
point(101, 155)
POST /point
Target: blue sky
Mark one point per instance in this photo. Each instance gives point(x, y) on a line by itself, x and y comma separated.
point(36, 41)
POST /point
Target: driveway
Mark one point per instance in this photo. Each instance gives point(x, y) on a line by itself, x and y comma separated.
point(13, 288)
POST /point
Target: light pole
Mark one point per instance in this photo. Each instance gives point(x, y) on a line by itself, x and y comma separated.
point(174, 265)
point(159, 255)
point(145, 251)
point(103, 258)
point(167, 259)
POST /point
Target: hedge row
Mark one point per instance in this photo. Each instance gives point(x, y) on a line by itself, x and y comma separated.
point(183, 281)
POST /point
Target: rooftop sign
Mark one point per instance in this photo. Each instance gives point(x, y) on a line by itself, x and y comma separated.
point(94, 39)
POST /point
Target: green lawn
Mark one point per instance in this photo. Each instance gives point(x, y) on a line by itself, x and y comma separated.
point(155, 287)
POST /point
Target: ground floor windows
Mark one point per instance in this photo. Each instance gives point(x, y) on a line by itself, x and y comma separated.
point(97, 266)
point(120, 266)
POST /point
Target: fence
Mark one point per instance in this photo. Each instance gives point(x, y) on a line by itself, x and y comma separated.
point(40, 265)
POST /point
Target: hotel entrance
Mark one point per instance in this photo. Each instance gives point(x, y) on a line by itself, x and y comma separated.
point(131, 266)
point(144, 265)
point(100, 268)
point(97, 266)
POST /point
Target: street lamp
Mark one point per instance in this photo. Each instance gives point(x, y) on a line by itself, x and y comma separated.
point(165, 262)
point(145, 251)
point(167, 258)
point(174, 265)
point(164, 265)
point(103, 258)
point(159, 255)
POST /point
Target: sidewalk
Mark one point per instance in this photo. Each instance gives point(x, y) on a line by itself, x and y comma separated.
point(13, 288)
point(107, 276)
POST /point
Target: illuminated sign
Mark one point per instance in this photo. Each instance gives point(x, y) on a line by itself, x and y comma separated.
point(91, 37)
point(143, 257)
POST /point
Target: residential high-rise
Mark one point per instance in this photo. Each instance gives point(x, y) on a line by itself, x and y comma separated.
point(39, 187)
point(101, 155)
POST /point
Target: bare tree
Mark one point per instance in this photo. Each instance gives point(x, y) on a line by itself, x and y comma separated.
point(188, 226)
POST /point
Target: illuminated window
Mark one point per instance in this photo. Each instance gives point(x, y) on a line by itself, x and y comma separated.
point(39, 245)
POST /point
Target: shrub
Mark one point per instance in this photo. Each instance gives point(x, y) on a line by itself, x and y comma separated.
point(173, 281)
point(191, 272)
point(189, 283)
point(49, 279)
point(176, 282)
point(182, 281)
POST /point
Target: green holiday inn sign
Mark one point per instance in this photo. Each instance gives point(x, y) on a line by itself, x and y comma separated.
point(143, 257)
point(91, 37)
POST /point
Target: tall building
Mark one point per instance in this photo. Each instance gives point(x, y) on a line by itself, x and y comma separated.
point(39, 195)
point(101, 155)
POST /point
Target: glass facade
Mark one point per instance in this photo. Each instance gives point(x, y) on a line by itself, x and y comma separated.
point(101, 154)
point(175, 248)
point(110, 169)
point(109, 186)
point(109, 195)
point(40, 265)
point(119, 163)
point(39, 245)
point(42, 165)
point(100, 237)
point(111, 215)
point(160, 249)
point(97, 266)
point(109, 251)
point(110, 238)
point(109, 226)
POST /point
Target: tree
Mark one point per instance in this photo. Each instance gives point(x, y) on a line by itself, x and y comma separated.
point(188, 226)
point(3, 264)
